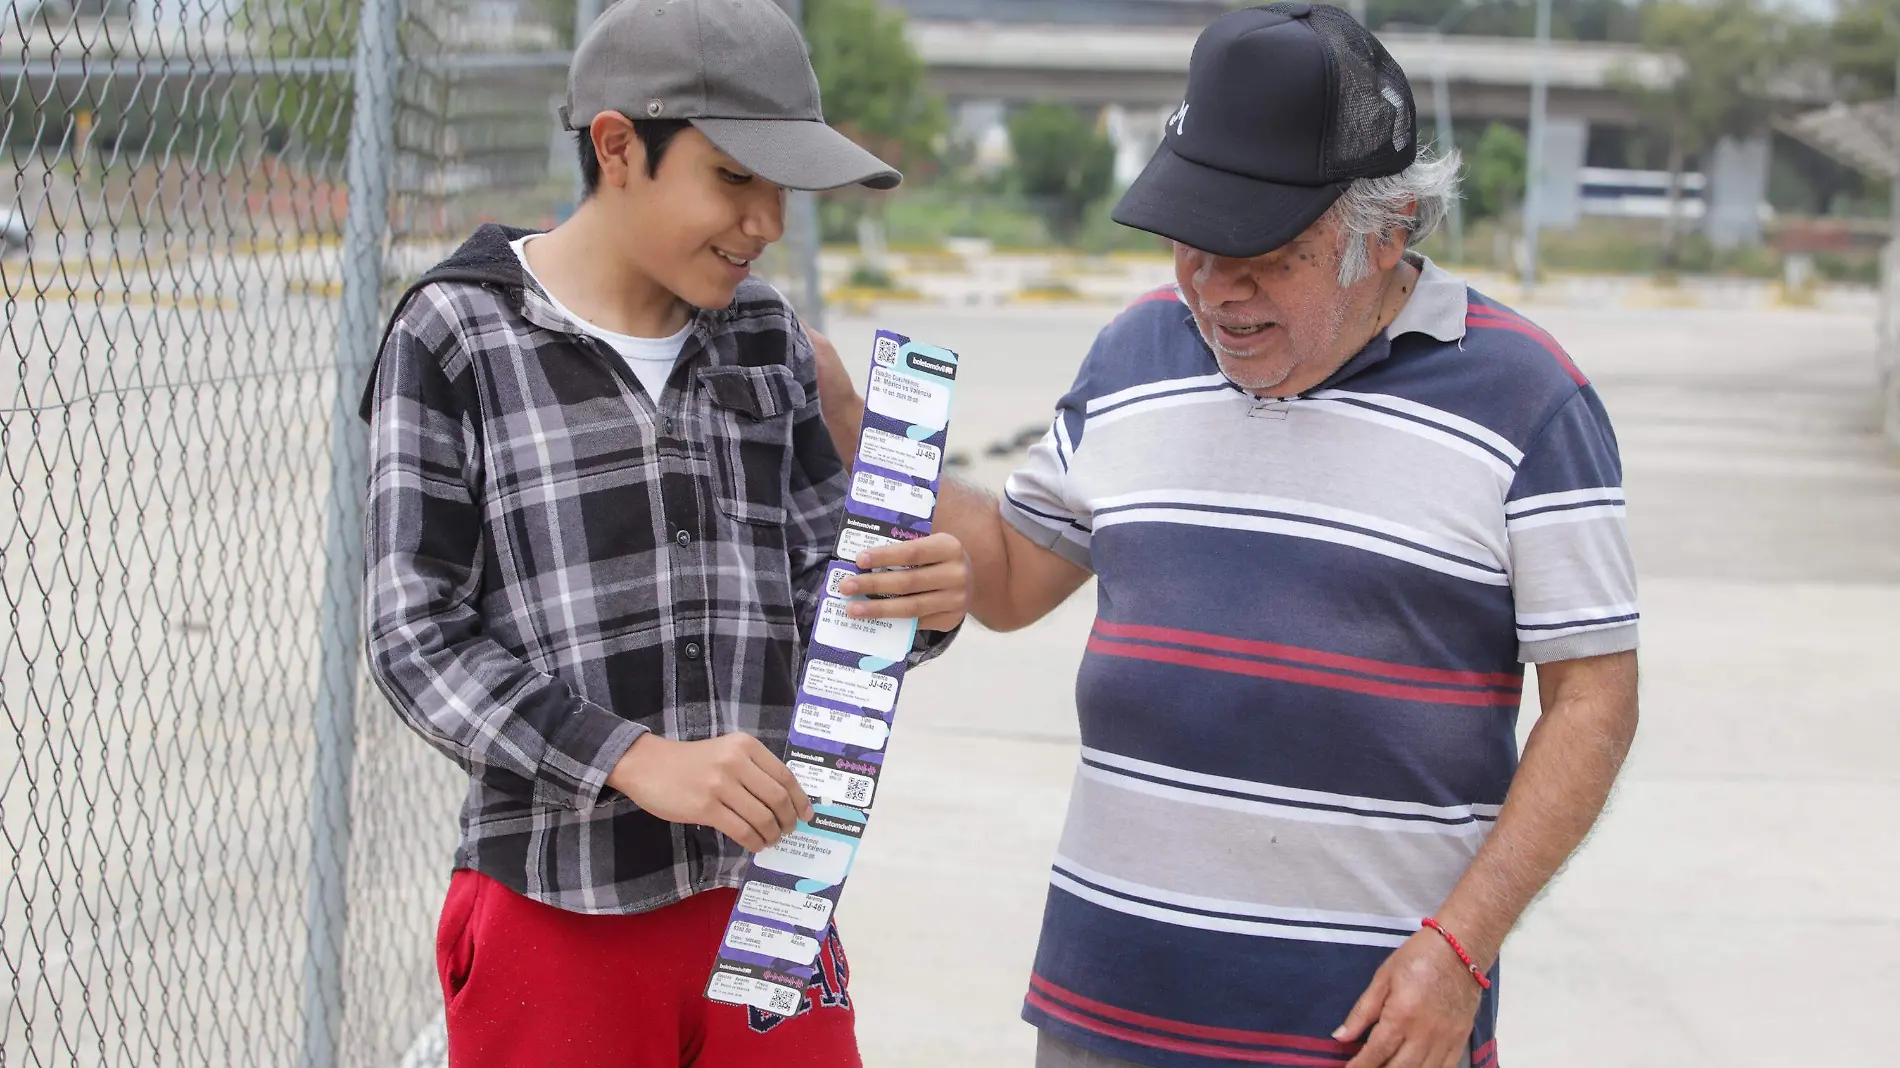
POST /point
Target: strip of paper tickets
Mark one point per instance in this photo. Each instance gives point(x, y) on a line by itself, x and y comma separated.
point(847, 696)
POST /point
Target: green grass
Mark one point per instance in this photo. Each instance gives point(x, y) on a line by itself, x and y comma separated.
point(1634, 247)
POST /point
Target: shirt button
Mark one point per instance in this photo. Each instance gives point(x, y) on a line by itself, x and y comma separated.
point(684, 539)
point(692, 650)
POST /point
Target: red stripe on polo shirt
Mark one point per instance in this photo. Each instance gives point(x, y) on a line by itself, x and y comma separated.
point(1494, 317)
point(1305, 676)
point(1317, 657)
point(1202, 1049)
point(1190, 1030)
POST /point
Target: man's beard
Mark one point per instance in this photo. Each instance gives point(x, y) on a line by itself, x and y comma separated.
point(1264, 379)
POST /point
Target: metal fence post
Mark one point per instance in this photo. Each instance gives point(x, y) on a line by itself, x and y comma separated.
point(372, 140)
point(585, 12)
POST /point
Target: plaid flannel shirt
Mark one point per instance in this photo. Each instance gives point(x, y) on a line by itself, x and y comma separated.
point(558, 563)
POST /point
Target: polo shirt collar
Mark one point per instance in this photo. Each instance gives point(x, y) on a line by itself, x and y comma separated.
point(1436, 308)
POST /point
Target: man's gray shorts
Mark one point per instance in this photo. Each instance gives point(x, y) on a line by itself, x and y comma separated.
point(1052, 1052)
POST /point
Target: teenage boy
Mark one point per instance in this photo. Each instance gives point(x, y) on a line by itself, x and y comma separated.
point(601, 502)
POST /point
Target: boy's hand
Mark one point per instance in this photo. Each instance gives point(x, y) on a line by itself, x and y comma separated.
point(934, 589)
point(732, 784)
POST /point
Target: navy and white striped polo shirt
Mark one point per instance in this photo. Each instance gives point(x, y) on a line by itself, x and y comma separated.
point(1299, 701)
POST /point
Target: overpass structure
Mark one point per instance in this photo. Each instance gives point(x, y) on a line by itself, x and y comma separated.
point(1146, 67)
point(1136, 76)
point(1132, 74)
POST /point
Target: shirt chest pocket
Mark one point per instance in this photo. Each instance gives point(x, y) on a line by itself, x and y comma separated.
point(749, 413)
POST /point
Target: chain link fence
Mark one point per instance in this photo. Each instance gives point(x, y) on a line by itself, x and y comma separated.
point(217, 846)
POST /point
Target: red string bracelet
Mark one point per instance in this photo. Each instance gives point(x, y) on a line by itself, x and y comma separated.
point(1452, 940)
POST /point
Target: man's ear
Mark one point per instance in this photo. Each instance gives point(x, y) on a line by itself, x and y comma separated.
point(1387, 252)
point(623, 159)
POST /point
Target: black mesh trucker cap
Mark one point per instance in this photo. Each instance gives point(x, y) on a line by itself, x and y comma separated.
point(1286, 105)
point(736, 69)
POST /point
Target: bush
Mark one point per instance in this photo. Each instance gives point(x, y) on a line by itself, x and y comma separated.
point(868, 276)
point(1101, 234)
point(1494, 177)
point(1063, 164)
point(926, 217)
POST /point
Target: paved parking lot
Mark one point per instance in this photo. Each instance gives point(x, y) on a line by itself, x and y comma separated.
point(1736, 908)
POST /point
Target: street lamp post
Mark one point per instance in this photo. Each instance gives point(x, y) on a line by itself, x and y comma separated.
point(1893, 191)
point(1534, 170)
point(801, 228)
point(1441, 116)
point(1441, 111)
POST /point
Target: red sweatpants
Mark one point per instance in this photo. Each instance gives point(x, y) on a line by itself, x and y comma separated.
point(528, 984)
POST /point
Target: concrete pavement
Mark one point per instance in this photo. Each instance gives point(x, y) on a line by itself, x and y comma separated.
point(1736, 905)
point(1735, 908)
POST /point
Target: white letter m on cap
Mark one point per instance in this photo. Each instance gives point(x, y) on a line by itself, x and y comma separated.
point(1178, 121)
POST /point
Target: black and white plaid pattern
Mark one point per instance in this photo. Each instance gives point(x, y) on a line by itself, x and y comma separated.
point(558, 563)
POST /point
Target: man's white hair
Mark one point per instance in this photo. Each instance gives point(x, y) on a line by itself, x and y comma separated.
point(1417, 199)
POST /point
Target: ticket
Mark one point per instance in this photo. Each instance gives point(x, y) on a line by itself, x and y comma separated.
point(832, 777)
point(858, 534)
point(809, 911)
point(760, 987)
point(772, 941)
point(881, 491)
point(881, 639)
point(845, 728)
point(847, 695)
point(850, 686)
point(917, 459)
point(912, 398)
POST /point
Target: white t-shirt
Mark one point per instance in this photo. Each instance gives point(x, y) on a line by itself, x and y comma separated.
point(651, 359)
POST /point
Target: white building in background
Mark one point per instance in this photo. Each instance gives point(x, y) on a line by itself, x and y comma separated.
point(1638, 194)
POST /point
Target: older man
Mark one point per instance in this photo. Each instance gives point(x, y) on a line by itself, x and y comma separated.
point(1334, 500)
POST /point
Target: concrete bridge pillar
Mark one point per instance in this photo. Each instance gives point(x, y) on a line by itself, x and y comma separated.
point(1136, 132)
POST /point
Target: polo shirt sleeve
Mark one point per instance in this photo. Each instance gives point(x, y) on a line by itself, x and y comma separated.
point(1572, 576)
point(1038, 501)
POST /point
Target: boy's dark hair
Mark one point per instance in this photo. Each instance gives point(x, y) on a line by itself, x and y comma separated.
point(655, 136)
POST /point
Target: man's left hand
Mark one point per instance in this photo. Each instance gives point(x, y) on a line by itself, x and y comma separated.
point(933, 588)
point(1420, 1007)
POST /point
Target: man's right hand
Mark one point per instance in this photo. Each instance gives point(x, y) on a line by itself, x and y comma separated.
point(732, 784)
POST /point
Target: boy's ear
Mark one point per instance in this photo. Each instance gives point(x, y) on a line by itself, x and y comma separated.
point(623, 159)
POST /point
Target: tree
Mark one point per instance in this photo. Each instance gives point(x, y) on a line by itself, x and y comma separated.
point(872, 81)
point(869, 76)
point(308, 114)
point(1731, 52)
point(1063, 163)
point(1861, 48)
point(1495, 174)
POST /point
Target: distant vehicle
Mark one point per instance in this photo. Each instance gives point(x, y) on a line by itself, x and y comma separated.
point(15, 235)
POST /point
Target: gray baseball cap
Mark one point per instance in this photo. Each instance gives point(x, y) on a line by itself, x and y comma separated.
point(736, 69)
